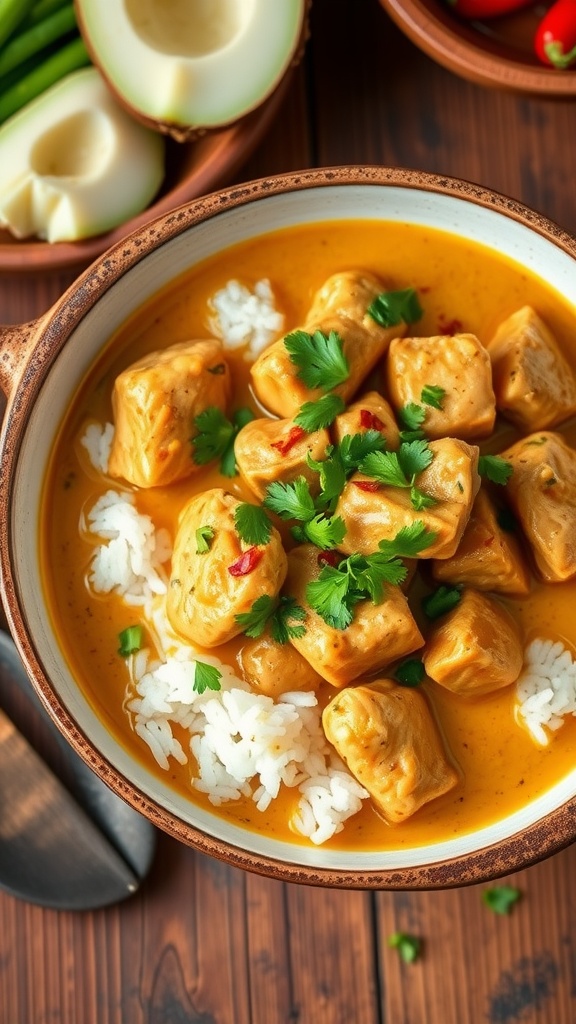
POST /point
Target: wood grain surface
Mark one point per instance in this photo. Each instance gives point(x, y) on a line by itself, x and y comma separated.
point(202, 943)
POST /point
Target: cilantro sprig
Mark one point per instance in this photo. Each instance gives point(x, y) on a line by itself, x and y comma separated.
point(283, 616)
point(252, 524)
point(341, 461)
point(204, 538)
point(412, 415)
point(442, 600)
point(391, 308)
point(495, 468)
point(502, 898)
point(216, 436)
point(400, 469)
point(319, 357)
point(320, 414)
point(294, 501)
point(339, 588)
point(206, 677)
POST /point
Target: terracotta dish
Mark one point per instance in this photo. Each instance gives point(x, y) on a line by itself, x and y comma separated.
point(42, 365)
point(496, 52)
point(192, 169)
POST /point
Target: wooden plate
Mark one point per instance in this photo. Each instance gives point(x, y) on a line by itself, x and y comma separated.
point(192, 170)
point(496, 52)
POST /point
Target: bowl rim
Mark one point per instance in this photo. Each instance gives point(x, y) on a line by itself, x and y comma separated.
point(547, 835)
point(437, 34)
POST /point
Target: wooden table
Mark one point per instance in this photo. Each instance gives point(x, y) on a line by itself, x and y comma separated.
point(202, 943)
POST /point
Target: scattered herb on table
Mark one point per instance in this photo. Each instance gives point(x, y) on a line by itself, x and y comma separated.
point(501, 899)
point(408, 946)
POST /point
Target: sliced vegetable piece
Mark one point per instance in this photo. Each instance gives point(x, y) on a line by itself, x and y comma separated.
point(74, 164)
point(180, 68)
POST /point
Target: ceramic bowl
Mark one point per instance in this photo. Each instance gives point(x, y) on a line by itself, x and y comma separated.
point(41, 367)
point(494, 52)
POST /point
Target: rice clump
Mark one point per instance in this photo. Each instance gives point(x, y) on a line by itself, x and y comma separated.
point(244, 317)
point(97, 440)
point(239, 743)
point(546, 688)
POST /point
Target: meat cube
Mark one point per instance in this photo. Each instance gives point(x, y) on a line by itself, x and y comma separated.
point(457, 363)
point(542, 492)
point(371, 412)
point(274, 668)
point(534, 384)
point(269, 450)
point(374, 515)
point(208, 589)
point(487, 557)
point(155, 402)
point(476, 648)
point(389, 739)
point(340, 305)
point(377, 635)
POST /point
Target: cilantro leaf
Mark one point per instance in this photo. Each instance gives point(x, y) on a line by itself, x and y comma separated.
point(329, 596)
point(390, 308)
point(291, 501)
point(216, 436)
point(281, 628)
point(254, 622)
point(319, 357)
point(408, 946)
point(353, 448)
point(409, 541)
point(420, 500)
point(384, 467)
point(204, 537)
point(433, 394)
point(332, 476)
point(441, 601)
point(252, 523)
point(412, 416)
point(495, 468)
point(400, 469)
point(317, 415)
point(411, 435)
point(371, 572)
point(414, 457)
point(501, 898)
point(325, 533)
point(410, 672)
point(206, 677)
point(130, 640)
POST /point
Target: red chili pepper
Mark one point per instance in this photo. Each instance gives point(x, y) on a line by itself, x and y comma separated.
point(366, 485)
point(370, 421)
point(329, 558)
point(296, 434)
point(246, 563)
point(555, 39)
point(478, 9)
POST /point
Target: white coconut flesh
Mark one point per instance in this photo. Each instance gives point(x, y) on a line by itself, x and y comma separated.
point(74, 164)
point(192, 63)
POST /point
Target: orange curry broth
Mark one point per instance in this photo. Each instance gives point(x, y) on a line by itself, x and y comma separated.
point(458, 281)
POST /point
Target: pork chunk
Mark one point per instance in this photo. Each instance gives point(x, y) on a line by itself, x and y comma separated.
point(371, 412)
point(476, 648)
point(340, 305)
point(155, 401)
point(274, 668)
point(457, 363)
point(542, 493)
point(208, 589)
point(373, 515)
point(269, 450)
point(377, 635)
point(487, 557)
point(388, 738)
point(534, 384)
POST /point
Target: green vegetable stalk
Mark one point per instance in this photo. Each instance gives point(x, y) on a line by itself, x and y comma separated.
point(12, 13)
point(35, 39)
point(40, 10)
point(72, 56)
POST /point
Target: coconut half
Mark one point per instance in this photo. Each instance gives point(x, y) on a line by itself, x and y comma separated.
point(74, 164)
point(185, 66)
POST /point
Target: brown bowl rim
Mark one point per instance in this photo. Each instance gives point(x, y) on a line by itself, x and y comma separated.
point(458, 47)
point(547, 836)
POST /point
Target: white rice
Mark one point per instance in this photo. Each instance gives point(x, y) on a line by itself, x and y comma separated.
point(97, 440)
point(546, 689)
point(243, 317)
point(238, 743)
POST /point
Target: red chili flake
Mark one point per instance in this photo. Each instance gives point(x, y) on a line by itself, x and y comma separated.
point(329, 558)
point(449, 326)
point(246, 563)
point(370, 421)
point(295, 434)
point(366, 485)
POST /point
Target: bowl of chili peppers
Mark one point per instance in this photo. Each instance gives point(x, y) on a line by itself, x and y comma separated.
point(519, 45)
